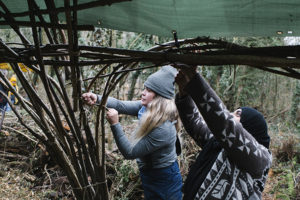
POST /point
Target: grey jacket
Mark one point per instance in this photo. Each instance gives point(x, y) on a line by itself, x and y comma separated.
point(155, 150)
point(240, 169)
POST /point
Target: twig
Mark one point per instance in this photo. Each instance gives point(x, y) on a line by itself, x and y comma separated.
point(279, 113)
point(12, 155)
point(19, 132)
point(45, 169)
point(120, 71)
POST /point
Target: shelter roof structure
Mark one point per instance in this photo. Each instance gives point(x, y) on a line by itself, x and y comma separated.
point(174, 18)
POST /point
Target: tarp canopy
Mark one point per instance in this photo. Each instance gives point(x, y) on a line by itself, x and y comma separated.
point(189, 18)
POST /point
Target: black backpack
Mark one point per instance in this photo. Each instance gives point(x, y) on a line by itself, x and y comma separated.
point(200, 168)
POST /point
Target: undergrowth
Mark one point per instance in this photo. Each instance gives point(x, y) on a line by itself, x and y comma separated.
point(45, 180)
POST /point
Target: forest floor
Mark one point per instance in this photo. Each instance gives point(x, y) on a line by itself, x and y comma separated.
point(28, 173)
point(15, 184)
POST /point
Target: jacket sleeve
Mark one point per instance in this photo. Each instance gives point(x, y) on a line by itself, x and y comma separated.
point(192, 120)
point(123, 107)
point(241, 147)
point(156, 139)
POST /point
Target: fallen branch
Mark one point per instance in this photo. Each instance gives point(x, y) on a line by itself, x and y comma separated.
point(12, 155)
point(19, 132)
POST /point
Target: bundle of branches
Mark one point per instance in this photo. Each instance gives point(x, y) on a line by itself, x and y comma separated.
point(198, 51)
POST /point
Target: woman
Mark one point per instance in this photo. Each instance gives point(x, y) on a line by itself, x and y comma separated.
point(234, 160)
point(155, 138)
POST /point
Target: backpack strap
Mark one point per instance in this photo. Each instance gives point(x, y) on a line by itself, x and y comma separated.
point(177, 143)
point(178, 146)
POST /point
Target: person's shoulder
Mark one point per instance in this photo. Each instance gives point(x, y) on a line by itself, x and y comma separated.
point(165, 130)
point(167, 127)
point(167, 124)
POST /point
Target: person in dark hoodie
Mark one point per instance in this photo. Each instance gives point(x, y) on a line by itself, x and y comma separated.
point(155, 138)
point(234, 160)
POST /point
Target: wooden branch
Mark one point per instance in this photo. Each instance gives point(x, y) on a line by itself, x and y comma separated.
point(60, 144)
point(97, 76)
point(203, 48)
point(20, 133)
point(71, 119)
point(276, 51)
point(191, 59)
point(205, 40)
point(123, 71)
point(9, 50)
point(77, 162)
point(288, 74)
point(53, 18)
point(12, 155)
point(100, 140)
point(42, 20)
point(107, 90)
point(98, 56)
point(255, 57)
point(44, 78)
point(292, 71)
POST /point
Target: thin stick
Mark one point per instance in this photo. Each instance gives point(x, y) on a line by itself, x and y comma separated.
point(19, 132)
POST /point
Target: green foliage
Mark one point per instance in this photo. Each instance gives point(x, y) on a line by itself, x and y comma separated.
point(125, 171)
point(286, 161)
point(285, 187)
point(125, 181)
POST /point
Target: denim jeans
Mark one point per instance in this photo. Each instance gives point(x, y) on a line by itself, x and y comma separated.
point(163, 183)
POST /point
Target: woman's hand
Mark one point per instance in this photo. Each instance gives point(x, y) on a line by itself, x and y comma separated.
point(89, 98)
point(181, 81)
point(112, 116)
point(185, 74)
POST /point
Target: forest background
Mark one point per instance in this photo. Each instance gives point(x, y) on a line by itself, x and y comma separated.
point(27, 171)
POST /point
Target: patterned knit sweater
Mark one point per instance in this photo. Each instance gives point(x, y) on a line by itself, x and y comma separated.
point(240, 169)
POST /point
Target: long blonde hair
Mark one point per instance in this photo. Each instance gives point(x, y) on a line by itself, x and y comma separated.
point(159, 110)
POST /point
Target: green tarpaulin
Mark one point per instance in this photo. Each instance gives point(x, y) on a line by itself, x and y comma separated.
point(190, 18)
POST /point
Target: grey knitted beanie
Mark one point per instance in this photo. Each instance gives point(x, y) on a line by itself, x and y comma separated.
point(162, 82)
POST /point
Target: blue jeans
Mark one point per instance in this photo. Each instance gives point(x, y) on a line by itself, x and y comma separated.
point(163, 183)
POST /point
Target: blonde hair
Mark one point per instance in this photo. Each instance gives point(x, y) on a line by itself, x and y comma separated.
point(158, 111)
